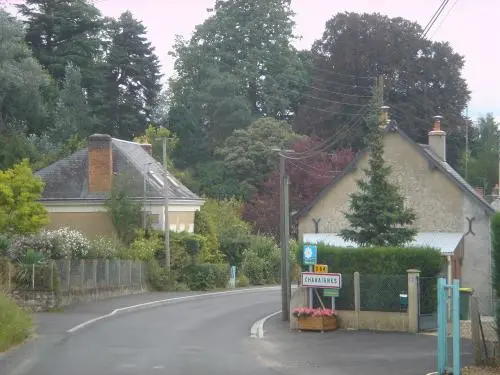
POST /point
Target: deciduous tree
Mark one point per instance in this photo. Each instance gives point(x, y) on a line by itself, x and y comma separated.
point(307, 178)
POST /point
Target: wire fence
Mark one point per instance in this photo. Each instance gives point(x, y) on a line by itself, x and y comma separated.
point(382, 292)
point(74, 276)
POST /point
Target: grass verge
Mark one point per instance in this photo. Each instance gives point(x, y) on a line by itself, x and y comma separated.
point(15, 324)
point(481, 371)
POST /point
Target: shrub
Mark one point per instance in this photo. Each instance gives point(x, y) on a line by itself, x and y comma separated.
point(262, 262)
point(495, 230)
point(144, 247)
point(102, 248)
point(203, 226)
point(379, 260)
point(15, 324)
point(159, 278)
point(179, 256)
point(383, 272)
point(199, 276)
point(222, 274)
point(242, 281)
point(63, 243)
point(254, 268)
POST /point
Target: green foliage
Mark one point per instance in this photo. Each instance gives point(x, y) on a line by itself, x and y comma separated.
point(355, 45)
point(378, 216)
point(144, 247)
point(20, 211)
point(125, 213)
point(262, 263)
point(242, 281)
point(102, 248)
point(248, 154)
point(232, 231)
point(179, 255)
point(73, 119)
point(203, 226)
point(128, 95)
point(216, 182)
point(495, 231)
point(15, 324)
point(484, 147)
point(22, 79)
point(225, 90)
point(202, 276)
point(379, 260)
point(152, 136)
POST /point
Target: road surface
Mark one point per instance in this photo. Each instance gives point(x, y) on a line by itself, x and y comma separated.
point(208, 335)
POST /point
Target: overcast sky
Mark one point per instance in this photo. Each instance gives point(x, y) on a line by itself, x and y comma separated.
point(470, 27)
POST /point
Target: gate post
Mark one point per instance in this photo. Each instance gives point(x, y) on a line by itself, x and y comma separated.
point(413, 301)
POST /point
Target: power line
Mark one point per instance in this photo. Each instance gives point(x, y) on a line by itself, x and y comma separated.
point(434, 18)
point(444, 18)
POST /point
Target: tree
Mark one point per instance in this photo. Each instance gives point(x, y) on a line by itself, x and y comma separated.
point(484, 149)
point(232, 232)
point(152, 136)
point(22, 80)
point(307, 178)
point(20, 211)
point(248, 154)
point(125, 213)
point(64, 31)
point(239, 64)
point(131, 79)
point(378, 216)
point(422, 79)
point(72, 113)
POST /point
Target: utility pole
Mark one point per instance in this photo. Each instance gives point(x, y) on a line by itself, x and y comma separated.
point(284, 238)
point(144, 216)
point(165, 193)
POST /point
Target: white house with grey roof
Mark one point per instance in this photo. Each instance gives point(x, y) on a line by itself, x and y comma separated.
point(451, 215)
point(77, 187)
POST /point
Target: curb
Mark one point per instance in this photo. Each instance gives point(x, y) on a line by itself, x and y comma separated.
point(153, 304)
point(257, 329)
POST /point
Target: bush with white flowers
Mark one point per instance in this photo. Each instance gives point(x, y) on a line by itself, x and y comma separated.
point(63, 243)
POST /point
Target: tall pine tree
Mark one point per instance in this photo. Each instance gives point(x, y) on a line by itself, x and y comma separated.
point(72, 113)
point(131, 84)
point(378, 216)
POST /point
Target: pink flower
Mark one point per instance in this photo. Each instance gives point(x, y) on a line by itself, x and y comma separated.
point(301, 312)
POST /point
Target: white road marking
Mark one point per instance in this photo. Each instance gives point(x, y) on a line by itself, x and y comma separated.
point(163, 302)
point(257, 330)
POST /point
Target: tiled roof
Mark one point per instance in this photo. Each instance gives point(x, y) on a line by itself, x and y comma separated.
point(68, 177)
point(427, 153)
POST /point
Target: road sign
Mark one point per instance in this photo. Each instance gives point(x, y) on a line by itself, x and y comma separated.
point(320, 268)
point(322, 280)
point(331, 292)
point(310, 255)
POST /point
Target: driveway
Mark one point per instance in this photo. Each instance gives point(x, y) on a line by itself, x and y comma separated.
point(348, 352)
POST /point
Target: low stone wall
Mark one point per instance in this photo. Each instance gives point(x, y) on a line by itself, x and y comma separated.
point(373, 320)
point(351, 319)
point(37, 301)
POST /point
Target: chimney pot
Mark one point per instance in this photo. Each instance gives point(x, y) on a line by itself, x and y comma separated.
point(437, 138)
point(100, 163)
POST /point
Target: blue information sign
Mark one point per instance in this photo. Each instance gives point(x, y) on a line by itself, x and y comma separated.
point(310, 255)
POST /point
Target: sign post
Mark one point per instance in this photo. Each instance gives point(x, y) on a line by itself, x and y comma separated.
point(310, 258)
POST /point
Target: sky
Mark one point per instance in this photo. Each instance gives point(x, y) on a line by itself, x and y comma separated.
point(469, 26)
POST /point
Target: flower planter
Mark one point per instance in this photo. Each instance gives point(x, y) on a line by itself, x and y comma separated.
point(317, 323)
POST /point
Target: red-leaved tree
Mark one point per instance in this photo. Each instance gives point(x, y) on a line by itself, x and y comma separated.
point(307, 178)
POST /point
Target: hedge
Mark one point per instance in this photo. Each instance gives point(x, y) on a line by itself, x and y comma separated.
point(382, 273)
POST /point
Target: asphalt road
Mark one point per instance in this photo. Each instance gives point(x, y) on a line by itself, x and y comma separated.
point(209, 335)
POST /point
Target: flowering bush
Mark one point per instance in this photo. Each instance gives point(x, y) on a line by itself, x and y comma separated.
point(102, 248)
point(303, 312)
point(62, 243)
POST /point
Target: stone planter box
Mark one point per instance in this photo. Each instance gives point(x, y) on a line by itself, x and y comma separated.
point(317, 323)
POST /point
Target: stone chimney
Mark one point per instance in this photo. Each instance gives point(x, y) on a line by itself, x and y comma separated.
point(437, 138)
point(148, 148)
point(100, 163)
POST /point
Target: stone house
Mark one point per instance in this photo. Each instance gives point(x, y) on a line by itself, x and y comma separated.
point(77, 186)
point(450, 213)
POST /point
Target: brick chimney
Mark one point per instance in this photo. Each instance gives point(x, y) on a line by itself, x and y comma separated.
point(148, 148)
point(100, 163)
point(437, 138)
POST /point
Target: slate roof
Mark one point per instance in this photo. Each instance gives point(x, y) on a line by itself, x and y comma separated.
point(68, 177)
point(426, 151)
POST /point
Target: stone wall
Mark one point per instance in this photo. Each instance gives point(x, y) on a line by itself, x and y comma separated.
point(37, 301)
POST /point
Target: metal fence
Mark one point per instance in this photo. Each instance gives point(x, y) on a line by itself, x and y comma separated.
point(75, 276)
